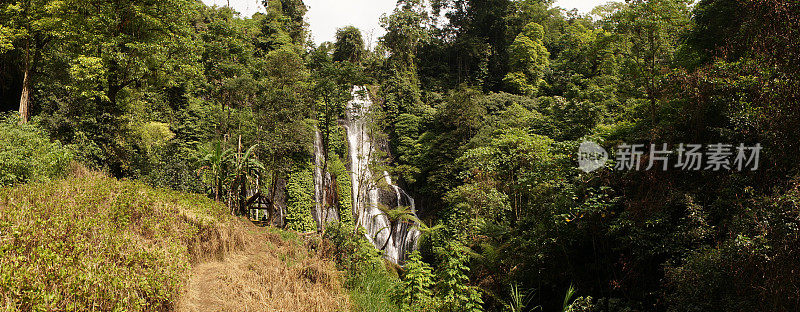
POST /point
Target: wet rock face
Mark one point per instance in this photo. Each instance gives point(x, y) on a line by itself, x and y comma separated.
point(325, 194)
point(279, 202)
point(388, 198)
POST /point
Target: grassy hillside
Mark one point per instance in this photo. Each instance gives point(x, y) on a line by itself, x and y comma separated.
point(278, 272)
point(94, 243)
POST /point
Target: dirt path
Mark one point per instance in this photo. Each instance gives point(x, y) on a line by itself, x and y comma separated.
point(269, 275)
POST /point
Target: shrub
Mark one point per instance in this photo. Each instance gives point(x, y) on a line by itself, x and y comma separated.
point(413, 293)
point(350, 248)
point(28, 155)
point(453, 289)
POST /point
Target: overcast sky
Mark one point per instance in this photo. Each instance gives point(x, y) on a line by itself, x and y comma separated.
point(325, 16)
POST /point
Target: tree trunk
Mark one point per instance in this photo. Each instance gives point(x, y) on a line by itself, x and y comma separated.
point(273, 187)
point(392, 225)
point(217, 188)
point(24, 100)
point(242, 178)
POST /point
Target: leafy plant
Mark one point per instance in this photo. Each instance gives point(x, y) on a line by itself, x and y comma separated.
point(217, 162)
point(568, 298)
point(395, 216)
point(247, 168)
point(414, 290)
point(228, 172)
point(28, 155)
point(519, 298)
point(453, 289)
point(369, 282)
point(300, 199)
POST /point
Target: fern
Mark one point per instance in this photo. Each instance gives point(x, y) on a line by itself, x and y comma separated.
point(414, 290)
point(453, 287)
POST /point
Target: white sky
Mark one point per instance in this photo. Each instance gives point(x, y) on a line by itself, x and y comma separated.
point(325, 16)
point(583, 6)
point(246, 7)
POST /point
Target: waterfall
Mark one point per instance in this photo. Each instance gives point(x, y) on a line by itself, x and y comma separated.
point(370, 192)
point(367, 194)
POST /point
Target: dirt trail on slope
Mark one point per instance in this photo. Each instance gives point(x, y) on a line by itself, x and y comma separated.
point(270, 274)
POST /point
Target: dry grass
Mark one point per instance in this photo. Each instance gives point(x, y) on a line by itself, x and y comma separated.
point(272, 274)
point(92, 243)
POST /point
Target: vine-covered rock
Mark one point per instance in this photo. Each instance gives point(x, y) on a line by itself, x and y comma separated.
point(300, 199)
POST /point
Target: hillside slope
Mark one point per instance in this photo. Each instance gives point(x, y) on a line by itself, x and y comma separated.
point(94, 243)
point(273, 274)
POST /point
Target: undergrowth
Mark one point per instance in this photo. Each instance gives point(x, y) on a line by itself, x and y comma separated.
point(27, 154)
point(367, 276)
point(370, 290)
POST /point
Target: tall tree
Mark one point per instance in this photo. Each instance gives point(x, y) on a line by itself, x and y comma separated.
point(528, 60)
point(284, 24)
point(283, 111)
point(477, 34)
point(29, 25)
point(349, 45)
point(405, 30)
point(650, 32)
point(120, 50)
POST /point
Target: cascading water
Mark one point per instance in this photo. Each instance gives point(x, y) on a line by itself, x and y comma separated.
point(396, 239)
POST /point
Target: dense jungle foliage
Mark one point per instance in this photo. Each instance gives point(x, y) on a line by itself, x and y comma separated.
point(483, 104)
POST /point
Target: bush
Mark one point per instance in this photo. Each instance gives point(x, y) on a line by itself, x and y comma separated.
point(28, 155)
point(414, 293)
point(350, 248)
point(370, 291)
point(452, 287)
point(756, 270)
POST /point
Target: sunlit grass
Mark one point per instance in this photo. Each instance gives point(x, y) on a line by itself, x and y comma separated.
point(95, 243)
point(370, 291)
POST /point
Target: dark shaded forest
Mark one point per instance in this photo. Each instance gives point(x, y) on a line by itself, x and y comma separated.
point(481, 106)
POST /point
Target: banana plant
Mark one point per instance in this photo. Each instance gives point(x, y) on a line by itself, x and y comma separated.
point(247, 168)
point(216, 168)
